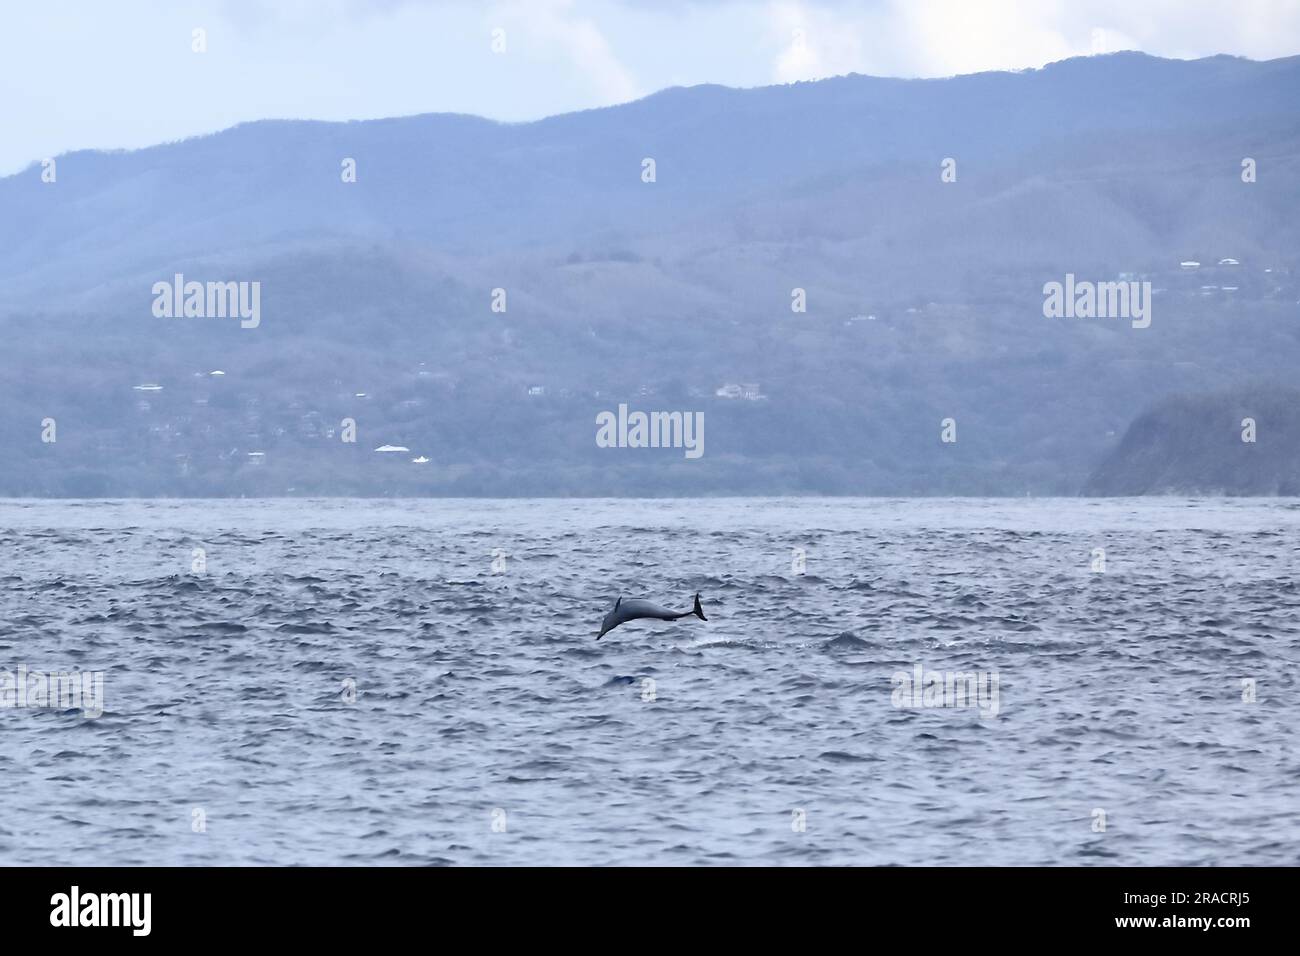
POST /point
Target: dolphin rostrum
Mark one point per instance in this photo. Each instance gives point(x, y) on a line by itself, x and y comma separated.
point(625, 611)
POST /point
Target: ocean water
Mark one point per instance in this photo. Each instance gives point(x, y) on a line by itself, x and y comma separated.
point(417, 682)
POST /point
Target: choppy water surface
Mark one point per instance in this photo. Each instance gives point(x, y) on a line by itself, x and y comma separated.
point(483, 701)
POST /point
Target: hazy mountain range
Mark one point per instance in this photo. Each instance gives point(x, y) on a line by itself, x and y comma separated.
point(924, 297)
point(1244, 442)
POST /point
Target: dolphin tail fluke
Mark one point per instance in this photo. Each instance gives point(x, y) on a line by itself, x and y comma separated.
point(697, 610)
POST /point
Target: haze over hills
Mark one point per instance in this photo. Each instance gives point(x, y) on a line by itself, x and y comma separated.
point(1242, 442)
point(924, 297)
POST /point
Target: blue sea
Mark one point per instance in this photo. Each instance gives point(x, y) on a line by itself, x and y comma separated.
point(415, 682)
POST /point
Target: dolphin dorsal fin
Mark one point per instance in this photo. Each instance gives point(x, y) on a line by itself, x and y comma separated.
point(618, 602)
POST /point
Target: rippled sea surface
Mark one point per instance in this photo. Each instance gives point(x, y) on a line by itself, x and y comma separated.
point(489, 727)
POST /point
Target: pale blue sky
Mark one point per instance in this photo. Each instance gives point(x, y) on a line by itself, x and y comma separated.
point(88, 73)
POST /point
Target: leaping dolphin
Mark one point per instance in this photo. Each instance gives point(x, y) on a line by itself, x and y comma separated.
point(625, 611)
